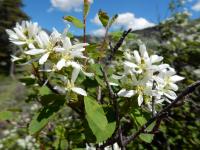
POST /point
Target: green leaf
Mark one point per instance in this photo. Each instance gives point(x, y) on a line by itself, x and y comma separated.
point(44, 90)
point(113, 19)
point(27, 80)
point(6, 115)
point(90, 83)
point(86, 8)
point(97, 120)
point(75, 21)
point(52, 103)
point(138, 117)
point(103, 17)
point(148, 138)
point(96, 69)
point(60, 142)
point(37, 124)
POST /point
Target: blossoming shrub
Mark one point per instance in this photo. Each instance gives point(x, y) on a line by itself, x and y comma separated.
point(104, 92)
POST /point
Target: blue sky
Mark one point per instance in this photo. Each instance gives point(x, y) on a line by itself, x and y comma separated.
point(133, 13)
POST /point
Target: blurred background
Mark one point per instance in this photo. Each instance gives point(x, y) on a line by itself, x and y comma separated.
point(169, 27)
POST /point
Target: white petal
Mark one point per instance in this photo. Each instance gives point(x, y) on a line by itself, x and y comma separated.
point(14, 58)
point(170, 94)
point(61, 63)
point(75, 65)
point(20, 34)
point(18, 42)
point(176, 78)
point(173, 86)
point(31, 46)
point(113, 84)
point(159, 101)
point(79, 91)
point(44, 37)
point(34, 51)
point(75, 74)
point(44, 58)
point(125, 93)
point(162, 66)
point(130, 64)
point(117, 77)
point(67, 43)
point(80, 45)
point(140, 100)
point(46, 70)
point(59, 49)
point(88, 74)
point(78, 53)
point(155, 58)
point(137, 57)
point(11, 34)
point(143, 51)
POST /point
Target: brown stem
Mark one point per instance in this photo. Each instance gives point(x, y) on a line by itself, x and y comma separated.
point(114, 96)
point(117, 46)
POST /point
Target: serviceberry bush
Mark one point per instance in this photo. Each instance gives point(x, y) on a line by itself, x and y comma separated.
point(94, 95)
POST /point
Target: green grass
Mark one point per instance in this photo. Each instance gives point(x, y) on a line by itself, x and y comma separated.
point(11, 93)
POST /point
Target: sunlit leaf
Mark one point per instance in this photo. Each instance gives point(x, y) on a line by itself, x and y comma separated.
point(148, 138)
point(97, 120)
point(113, 19)
point(75, 21)
point(103, 17)
point(37, 124)
point(86, 8)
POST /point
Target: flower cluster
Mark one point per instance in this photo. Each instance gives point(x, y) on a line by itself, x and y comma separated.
point(143, 76)
point(147, 78)
point(53, 52)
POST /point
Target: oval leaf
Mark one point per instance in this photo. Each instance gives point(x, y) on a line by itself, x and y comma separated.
point(148, 138)
point(103, 17)
point(97, 120)
point(75, 21)
point(37, 124)
point(86, 8)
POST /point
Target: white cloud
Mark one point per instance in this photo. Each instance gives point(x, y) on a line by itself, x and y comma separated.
point(68, 5)
point(196, 6)
point(99, 32)
point(127, 20)
point(96, 20)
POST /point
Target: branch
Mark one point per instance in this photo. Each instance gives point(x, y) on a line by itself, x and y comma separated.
point(159, 115)
point(117, 46)
point(114, 96)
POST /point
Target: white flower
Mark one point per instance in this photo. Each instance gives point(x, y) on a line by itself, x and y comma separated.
point(69, 52)
point(125, 93)
point(140, 62)
point(146, 79)
point(142, 88)
point(24, 33)
point(166, 80)
point(69, 85)
point(47, 45)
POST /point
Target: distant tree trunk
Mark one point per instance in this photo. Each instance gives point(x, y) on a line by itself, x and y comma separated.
point(12, 70)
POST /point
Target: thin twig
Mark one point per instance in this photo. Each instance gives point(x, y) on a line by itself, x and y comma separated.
point(153, 100)
point(117, 46)
point(114, 96)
